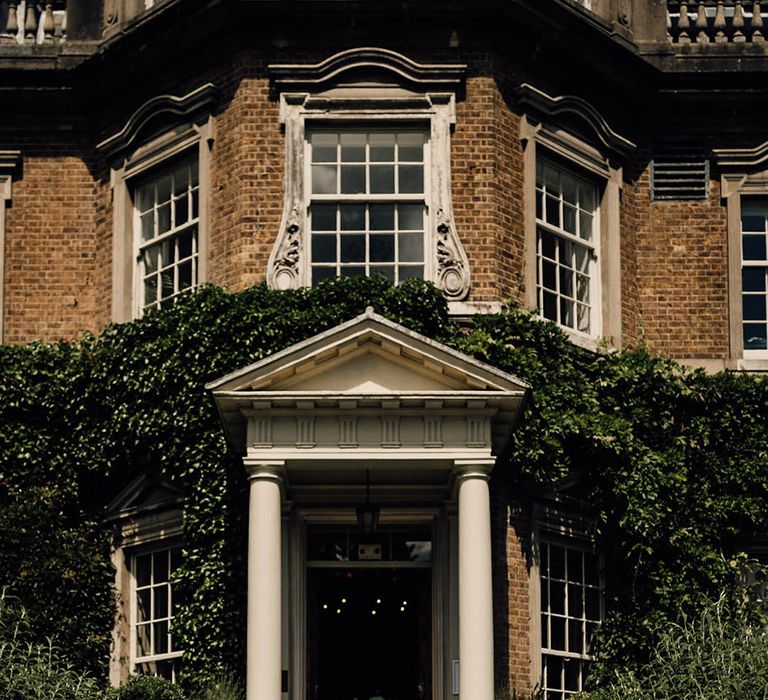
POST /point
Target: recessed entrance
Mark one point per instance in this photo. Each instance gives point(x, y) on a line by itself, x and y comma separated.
point(369, 621)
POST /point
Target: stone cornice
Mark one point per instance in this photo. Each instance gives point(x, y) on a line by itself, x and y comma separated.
point(741, 158)
point(200, 100)
point(539, 103)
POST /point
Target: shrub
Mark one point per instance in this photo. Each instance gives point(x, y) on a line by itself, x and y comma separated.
point(33, 671)
point(146, 688)
point(722, 654)
point(224, 688)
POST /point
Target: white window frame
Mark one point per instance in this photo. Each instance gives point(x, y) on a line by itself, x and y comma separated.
point(9, 162)
point(592, 247)
point(365, 199)
point(570, 130)
point(555, 525)
point(404, 95)
point(141, 147)
point(172, 235)
point(133, 554)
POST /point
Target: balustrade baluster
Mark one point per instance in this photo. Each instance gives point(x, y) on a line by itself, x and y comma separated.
point(719, 25)
point(684, 25)
point(757, 24)
point(30, 23)
point(702, 24)
point(13, 22)
point(48, 25)
point(738, 23)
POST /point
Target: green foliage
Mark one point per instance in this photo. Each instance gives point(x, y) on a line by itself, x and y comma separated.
point(721, 654)
point(146, 688)
point(35, 671)
point(672, 462)
point(224, 688)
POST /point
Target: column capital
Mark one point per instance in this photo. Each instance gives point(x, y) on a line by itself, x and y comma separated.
point(479, 468)
point(270, 469)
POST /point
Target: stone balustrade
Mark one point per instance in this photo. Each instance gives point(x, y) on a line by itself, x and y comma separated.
point(716, 21)
point(27, 22)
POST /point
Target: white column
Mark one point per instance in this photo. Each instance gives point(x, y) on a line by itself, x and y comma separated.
point(264, 644)
point(475, 590)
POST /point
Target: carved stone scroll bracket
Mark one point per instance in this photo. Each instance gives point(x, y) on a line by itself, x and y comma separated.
point(284, 269)
point(451, 261)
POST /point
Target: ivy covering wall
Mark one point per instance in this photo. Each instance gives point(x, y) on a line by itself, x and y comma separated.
point(674, 463)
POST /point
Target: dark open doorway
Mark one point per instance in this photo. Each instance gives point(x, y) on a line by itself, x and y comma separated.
point(369, 634)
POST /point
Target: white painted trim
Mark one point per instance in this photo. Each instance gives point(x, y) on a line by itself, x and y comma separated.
point(9, 162)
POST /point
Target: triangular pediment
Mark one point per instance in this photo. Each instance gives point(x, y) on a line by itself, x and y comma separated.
point(143, 494)
point(368, 355)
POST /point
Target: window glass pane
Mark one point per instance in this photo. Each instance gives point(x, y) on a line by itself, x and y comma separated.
point(572, 674)
point(410, 147)
point(549, 307)
point(143, 646)
point(582, 318)
point(386, 271)
point(411, 247)
point(353, 271)
point(575, 600)
point(557, 597)
point(185, 275)
point(754, 307)
point(410, 271)
point(575, 636)
point(753, 279)
point(551, 179)
point(181, 211)
point(164, 189)
point(582, 288)
point(549, 274)
point(569, 219)
point(160, 566)
point(587, 197)
point(150, 290)
point(161, 637)
point(592, 599)
point(548, 245)
point(411, 179)
point(353, 248)
point(150, 259)
point(382, 147)
point(185, 244)
point(752, 219)
point(545, 631)
point(148, 225)
point(161, 601)
point(323, 217)
point(410, 217)
point(352, 148)
point(585, 226)
point(574, 563)
point(382, 217)
point(557, 633)
point(322, 273)
point(566, 282)
point(569, 189)
point(382, 179)
point(324, 248)
point(143, 570)
point(146, 198)
point(753, 247)
point(163, 218)
point(352, 217)
point(557, 562)
point(591, 569)
point(383, 248)
point(324, 147)
point(755, 336)
point(566, 312)
point(352, 179)
point(181, 179)
point(143, 604)
point(324, 179)
point(553, 211)
point(195, 203)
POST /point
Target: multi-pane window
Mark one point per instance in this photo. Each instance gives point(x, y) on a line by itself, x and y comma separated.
point(154, 606)
point(754, 268)
point(571, 610)
point(566, 248)
point(368, 207)
point(166, 206)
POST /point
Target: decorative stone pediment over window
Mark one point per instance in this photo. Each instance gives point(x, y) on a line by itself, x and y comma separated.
point(369, 93)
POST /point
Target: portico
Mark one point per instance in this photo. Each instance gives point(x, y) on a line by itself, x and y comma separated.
point(369, 412)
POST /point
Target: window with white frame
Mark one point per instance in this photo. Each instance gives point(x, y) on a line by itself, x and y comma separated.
point(166, 225)
point(571, 611)
point(154, 605)
point(754, 270)
point(368, 209)
point(567, 239)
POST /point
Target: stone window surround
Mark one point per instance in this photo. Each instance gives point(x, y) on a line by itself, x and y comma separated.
point(138, 148)
point(540, 128)
point(137, 531)
point(393, 91)
point(9, 162)
point(555, 524)
point(744, 173)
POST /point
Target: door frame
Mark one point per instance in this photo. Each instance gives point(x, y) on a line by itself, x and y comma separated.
point(444, 633)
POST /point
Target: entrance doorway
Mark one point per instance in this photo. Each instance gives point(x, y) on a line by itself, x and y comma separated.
point(369, 623)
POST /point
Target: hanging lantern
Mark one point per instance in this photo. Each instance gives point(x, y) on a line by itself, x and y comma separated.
point(367, 514)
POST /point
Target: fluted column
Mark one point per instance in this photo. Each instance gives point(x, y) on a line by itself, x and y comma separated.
point(475, 589)
point(264, 645)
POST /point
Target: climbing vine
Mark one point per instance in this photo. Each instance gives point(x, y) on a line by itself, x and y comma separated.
point(672, 462)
